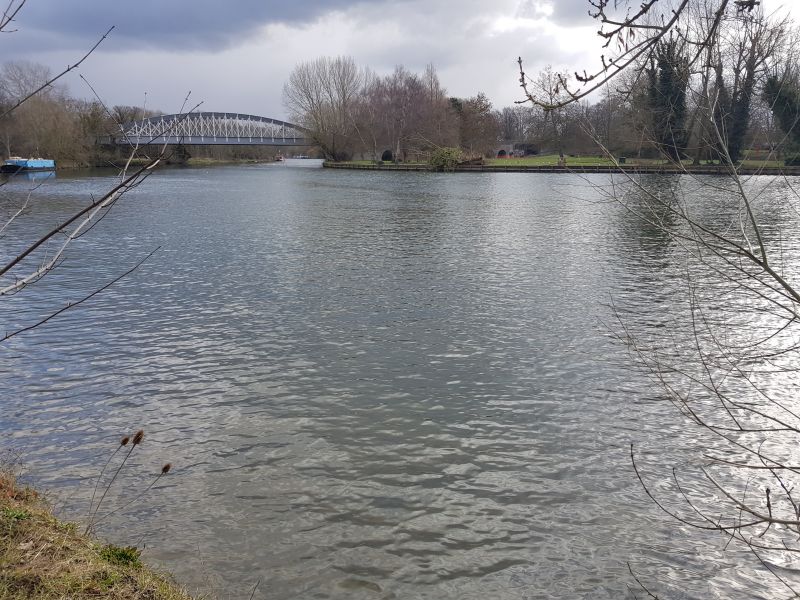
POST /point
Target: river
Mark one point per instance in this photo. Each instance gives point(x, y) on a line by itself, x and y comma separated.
point(369, 385)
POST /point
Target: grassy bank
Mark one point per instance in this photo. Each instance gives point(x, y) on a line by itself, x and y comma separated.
point(552, 160)
point(135, 163)
point(210, 162)
point(548, 160)
point(582, 164)
point(43, 558)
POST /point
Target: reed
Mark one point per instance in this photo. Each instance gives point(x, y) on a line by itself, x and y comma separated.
point(94, 508)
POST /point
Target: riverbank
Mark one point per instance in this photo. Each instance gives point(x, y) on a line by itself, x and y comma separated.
point(141, 162)
point(43, 558)
point(637, 169)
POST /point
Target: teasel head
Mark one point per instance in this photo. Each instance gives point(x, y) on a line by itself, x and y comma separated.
point(138, 437)
point(124, 441)
point(165, 469)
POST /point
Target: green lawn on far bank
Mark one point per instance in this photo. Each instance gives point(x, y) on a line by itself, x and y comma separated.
point(372, 163)
point(546, 160)
point(552, 160)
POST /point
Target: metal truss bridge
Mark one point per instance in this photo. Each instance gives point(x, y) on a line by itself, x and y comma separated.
point(212, 128)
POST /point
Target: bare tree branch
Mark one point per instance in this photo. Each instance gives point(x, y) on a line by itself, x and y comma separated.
point(52, 80)
point(72, 305)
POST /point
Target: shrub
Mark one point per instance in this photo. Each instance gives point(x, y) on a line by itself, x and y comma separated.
point(13, 514)
point(128, 556)
point(445, 159)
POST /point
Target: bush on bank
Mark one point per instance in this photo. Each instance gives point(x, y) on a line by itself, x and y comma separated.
point(445, 159)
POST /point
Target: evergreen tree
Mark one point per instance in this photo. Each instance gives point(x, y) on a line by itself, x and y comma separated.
point(784, 99)
point(668, 78)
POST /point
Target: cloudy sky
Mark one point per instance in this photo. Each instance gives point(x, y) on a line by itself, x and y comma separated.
point(234, 55)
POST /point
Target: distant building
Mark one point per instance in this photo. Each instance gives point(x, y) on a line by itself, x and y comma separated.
point(516, 150)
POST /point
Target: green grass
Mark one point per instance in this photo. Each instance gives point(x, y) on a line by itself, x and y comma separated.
point(386, 163)
point(551, 160)
point(546, 160)
point(127, 556)
point(43, 558)
point(15, 514)
point(757, 164)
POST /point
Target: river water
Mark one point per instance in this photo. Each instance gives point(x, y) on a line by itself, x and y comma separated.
point(369, 385)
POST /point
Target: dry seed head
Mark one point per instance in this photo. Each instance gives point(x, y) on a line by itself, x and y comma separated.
point(138, 437)
point(165, 469)
point(124, 441)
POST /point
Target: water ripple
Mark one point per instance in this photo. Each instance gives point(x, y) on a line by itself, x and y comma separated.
point(371, 385)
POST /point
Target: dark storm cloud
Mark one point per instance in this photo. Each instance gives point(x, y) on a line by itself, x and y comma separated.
point(170, 24)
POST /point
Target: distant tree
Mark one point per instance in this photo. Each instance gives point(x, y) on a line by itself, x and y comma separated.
point(740, 62)
point(353, 111)
point(403, 91)
point(321, 95)
point(51, 123)
point(22, 130)
point(409, 113)
point(437, 121)
point(553, 117)
point(126, 114)
point(668, 78)
point(783, 96)
point(367, 117)
point(20, 78)
point(44, 125)
point(601, 118)
point(513, 123)
point(479, 127)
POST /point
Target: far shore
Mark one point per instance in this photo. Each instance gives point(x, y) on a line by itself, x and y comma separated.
point(577, 165)
point(140, 162)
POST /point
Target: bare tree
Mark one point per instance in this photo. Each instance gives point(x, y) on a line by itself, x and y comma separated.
point(740, 61)
point(549, 86)
point(479, 128)
point(631, 32)
point(321, 95)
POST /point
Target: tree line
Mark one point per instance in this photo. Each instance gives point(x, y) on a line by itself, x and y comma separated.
point(353, 112)
point(726, 98)
point(745, 90)
point(54, 124)
point(658, 108)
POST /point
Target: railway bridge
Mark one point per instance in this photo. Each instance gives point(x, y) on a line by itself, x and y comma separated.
point(212, 129)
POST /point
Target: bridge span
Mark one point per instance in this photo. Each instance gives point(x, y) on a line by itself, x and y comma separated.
point(212, 128)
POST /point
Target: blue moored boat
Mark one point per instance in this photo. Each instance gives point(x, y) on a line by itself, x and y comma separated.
point(15, 164)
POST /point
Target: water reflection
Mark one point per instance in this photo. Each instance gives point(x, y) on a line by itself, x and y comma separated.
point(371, 384)
point(29, 176)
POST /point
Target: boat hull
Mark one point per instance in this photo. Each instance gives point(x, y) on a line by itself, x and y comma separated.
point(20, 165)
point(16, 169)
